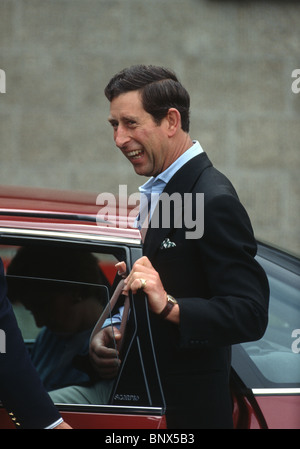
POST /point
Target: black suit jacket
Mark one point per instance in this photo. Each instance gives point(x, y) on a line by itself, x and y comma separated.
point(222, 293)
point(21, 390)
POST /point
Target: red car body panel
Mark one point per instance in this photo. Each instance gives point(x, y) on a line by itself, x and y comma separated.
point(103, 421)
point(281, 412)
point(100, 421)
point(48, 209)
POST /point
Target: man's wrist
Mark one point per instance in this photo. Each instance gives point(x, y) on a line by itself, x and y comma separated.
point(171, 302)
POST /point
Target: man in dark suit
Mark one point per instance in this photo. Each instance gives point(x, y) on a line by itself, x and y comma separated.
point(21, 391)
point(205, 289)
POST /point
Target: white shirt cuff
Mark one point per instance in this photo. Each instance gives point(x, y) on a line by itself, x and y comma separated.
point(56, 423)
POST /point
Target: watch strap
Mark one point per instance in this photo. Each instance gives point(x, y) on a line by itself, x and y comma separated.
point(169, 306)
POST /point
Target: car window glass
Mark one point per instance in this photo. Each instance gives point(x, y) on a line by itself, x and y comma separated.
point(58, 295)
point(277, 354)
point(59, 309)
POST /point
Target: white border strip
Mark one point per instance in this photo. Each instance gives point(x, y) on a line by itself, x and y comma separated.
point(274, 391)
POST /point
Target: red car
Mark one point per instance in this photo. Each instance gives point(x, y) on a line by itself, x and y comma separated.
point(265, 379)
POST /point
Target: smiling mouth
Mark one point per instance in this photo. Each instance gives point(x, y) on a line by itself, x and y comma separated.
point(136, 154)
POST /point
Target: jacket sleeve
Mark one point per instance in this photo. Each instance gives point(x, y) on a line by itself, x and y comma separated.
point(21, 390)
point(236, 309)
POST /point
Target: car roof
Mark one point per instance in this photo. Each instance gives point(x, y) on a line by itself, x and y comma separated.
point(65, 210)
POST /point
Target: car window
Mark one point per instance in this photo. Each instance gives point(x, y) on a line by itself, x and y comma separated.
point(37, 273)
point(57, 295)
point(277, 355)
point(54, 286)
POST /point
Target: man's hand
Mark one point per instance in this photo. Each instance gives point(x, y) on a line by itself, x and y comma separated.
point(143, 275)
point(143, 270)
point(103, 354)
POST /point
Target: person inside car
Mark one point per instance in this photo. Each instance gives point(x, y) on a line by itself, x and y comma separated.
point(65, 301)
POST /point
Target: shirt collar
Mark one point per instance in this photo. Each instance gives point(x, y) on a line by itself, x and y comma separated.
point(157, 184)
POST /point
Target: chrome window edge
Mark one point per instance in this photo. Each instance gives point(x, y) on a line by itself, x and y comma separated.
point(71, 235)
point(275, 391)
point(112, 409)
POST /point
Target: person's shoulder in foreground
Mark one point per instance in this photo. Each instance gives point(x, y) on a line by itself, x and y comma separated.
point(21, 391)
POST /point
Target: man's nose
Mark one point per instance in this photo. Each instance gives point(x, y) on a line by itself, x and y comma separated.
point(121, 136)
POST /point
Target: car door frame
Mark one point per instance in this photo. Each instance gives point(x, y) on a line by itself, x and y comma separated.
point(113, 415)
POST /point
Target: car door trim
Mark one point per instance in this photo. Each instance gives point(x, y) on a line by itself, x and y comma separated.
point(111, 409)
point(275, 391)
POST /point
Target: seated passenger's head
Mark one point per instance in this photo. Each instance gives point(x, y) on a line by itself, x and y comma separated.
point(65, 298)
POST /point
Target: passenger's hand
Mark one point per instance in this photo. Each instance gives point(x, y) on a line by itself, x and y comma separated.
point(103, 353)
point(121, 267)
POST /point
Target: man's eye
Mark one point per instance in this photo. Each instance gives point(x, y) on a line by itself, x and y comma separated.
point(114, 125)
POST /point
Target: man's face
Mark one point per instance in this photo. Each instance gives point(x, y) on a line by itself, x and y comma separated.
point(141, 140)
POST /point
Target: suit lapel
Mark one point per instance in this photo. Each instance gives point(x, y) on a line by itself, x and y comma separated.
point(182, 182)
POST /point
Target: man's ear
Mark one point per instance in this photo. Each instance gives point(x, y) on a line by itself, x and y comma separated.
point(174, 121)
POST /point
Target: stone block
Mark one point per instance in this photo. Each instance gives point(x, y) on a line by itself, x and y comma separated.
point(268, 29)
point(268, 142)
point(7, 9)
point(236, 85)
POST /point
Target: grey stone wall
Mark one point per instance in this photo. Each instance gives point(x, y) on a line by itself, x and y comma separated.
point(235, 57)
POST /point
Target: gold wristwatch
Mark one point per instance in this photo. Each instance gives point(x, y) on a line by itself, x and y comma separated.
point(169, 306)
